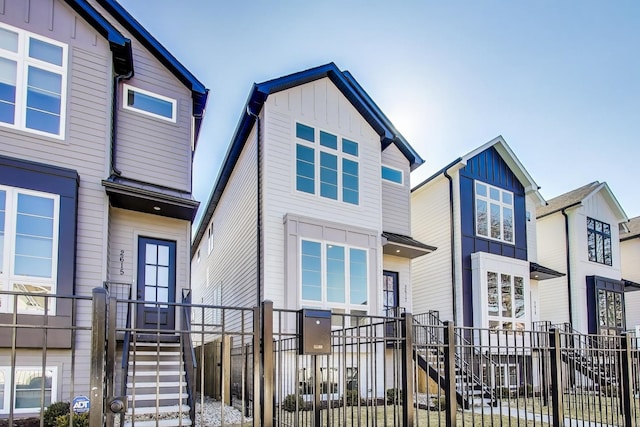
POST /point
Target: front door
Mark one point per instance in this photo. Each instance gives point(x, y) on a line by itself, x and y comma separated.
point(156, 283)
point(390, 293)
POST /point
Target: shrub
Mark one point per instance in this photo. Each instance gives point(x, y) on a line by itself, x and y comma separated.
point(53, 412)
point(79, 420)
point(503, 392)
point(525, 390)
point(438, 404)
point(352, 398)
point(289, 403)
point(609, 390)
point(394, 396)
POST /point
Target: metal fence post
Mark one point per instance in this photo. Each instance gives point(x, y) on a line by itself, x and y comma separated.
point(97, 375)
point(267, 363)
point(626, 371)
point(450, 373)
point(407, 370)
point(257, 378)
point(555, 348)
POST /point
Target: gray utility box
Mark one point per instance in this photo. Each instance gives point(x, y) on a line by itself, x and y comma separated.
point(314, 327)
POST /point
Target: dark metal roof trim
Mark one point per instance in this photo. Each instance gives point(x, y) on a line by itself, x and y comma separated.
point(255, 101)
point(630, 286)
point(199, 93)
point(544, 273)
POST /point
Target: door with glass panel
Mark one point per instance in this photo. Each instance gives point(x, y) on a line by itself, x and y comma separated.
point(156, 283)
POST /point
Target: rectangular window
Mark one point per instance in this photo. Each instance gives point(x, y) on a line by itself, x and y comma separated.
point(149, 103)
point(210, 239)
point(28, 388)
point(334, 276)
point(599, 241)
point(33, 73)
point(28, 247)
point(494, 213)
point(392, 175)
point(334, 160)
point(506, 301)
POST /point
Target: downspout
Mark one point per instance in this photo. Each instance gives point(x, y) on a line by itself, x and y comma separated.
point(566, 236)
point(259, 210)
point(114, 112)
point(453, 253)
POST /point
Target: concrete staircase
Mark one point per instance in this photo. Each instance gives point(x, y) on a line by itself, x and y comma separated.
point(157, 391)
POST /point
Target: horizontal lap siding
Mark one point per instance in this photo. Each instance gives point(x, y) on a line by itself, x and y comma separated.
point(431, 274)
point(321, 105)
point(629, 256)
point(232, 263)
point(396, 198)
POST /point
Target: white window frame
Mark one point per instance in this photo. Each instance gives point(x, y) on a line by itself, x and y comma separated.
point(8, 372)
point(23, 61)
point(125, 105)
point(347, 307)
point(210, 239)
point(499, 318)
point(7, 278)
point(502, 205)
point(340, 155)
point(401, 183)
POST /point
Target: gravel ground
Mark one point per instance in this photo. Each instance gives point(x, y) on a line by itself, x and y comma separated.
point(212, 413)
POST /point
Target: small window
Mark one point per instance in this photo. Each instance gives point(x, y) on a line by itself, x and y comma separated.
point(210, 239)
point(28, 386)
point(149, 103)
point(392, 175)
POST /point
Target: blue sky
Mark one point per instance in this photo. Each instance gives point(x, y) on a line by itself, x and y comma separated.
point(559, 80)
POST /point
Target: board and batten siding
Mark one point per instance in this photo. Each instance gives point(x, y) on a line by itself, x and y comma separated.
point(152, 149)
point(396, 198)
point(629, 257)
point(321, 105)
point(431, 274)
point(232, 262)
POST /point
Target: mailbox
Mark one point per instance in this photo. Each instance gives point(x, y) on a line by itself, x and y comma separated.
point(314, 327)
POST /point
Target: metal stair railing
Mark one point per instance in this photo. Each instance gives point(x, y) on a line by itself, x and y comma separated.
point(433, 329)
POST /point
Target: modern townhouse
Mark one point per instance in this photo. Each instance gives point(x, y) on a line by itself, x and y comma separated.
point(311, 207)
point(579, 233)
point(98, 126)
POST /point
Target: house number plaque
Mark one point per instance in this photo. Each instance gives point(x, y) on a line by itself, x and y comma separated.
point(122, 262)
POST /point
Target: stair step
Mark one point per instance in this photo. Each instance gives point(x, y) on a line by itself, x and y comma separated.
point(154, 384)
point(152, 396)
point(152, 362)
point(154, 353)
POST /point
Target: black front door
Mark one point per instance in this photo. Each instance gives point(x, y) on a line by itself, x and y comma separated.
point(390, 293)
point(156, 283)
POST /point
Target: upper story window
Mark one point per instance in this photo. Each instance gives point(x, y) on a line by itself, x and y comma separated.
point(334, 276)
point(599, 241)
point(149, 103)
point(494, 212)
point(210, 239)
point(28, 247)
point(33, 75)
point(330, 168)
point(392, 175)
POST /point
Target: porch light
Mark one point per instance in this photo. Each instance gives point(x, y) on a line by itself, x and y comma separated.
point(156, 208)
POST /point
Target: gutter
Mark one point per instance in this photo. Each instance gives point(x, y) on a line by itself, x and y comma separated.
point(114, 113)
point(453, 254)
point(568, 260)
point(259, 210)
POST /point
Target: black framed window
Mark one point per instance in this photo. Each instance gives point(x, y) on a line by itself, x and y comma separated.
point(599, 241)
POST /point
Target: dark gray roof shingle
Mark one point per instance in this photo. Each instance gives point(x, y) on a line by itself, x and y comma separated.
point(567, 199)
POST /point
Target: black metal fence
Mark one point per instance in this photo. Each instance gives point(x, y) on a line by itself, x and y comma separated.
point(235, 366)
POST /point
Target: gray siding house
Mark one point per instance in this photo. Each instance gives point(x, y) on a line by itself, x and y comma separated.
point(98, 124)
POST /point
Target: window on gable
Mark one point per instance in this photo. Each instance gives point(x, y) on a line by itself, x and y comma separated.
point(392, 175)
point(334, 276)
point(33, 71)
point(494, 212)
point(149, 103)
point(599, 241)
point(506, 308)
point(210, 239)
point(334, 160)
point(28, 248)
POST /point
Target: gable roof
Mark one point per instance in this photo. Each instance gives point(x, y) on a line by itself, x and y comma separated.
point(509, 157)
point(577, 196)
point(123, 58)
point(633, 229)
point(347, 85)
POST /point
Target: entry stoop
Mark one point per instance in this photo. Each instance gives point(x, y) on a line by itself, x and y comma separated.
point(157, 391)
